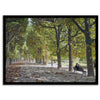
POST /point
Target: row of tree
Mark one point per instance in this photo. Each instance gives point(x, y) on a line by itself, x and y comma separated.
point(50, 38)
point(15, 29)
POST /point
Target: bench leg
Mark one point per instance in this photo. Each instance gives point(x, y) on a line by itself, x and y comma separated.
point(84, 73)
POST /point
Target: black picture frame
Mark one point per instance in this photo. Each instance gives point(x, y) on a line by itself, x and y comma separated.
point(47, 83)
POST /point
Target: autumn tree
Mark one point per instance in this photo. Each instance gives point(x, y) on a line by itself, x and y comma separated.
point(15, 29)
point(57, 25)
point(88, 29)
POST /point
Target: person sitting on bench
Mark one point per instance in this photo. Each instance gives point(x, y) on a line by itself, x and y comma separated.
point(79, 68)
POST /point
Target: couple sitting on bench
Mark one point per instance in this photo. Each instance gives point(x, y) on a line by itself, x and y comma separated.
point(79, 68)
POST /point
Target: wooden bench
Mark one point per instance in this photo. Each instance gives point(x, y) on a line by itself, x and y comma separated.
point(79, 69)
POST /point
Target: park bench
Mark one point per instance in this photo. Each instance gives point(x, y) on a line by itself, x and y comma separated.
point(80, 69)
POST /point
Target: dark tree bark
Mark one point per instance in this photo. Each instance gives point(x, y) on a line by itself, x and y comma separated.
point(88, 48)
point(89, 61)
point(70, 50)
point(58, 46)
point(59, 59)
point(44, 60)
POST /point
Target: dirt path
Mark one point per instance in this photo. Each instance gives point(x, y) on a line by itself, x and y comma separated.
point(32, 73)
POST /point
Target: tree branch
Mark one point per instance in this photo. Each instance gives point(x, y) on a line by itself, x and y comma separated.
point(92, 23)
point(60, 27)
point(64, 46)
point(10, 41)
point(50, 20)
point(76, 34)
point(46, 26)
point(78, 25)
point(62, 40)
point(56, 32)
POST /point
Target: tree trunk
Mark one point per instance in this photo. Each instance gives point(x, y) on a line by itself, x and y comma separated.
point(7, 62)
point(89, 60)
point(58, 47)
point(46, 56)
point(95, 54)
point(70, 51)
point(88, 44)
point(70, 58)
point(7, 58)
point(43, 60)
point(35, 60)
point(88, 48)
point(51, 61)
point(59, 59)
point(10, 61)
point(38, 60)
point(46, 59)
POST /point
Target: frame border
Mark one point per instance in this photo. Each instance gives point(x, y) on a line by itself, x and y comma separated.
point(47, 83)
